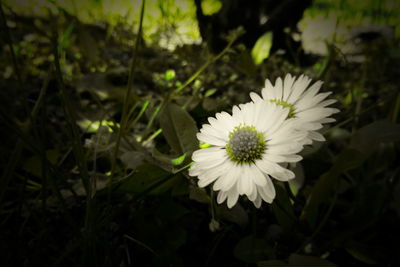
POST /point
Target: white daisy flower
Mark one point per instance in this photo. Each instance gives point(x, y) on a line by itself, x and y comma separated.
point(304, 104)
point(247, 149)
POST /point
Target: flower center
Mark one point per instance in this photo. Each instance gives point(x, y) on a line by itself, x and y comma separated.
point(245, 144)
point(284, 104)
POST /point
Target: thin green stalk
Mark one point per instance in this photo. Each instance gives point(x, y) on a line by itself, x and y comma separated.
point(364, 111)
point(154, 135)
point(125, 108)
point(17, 69)
point(135, 145)
point(183, 168)
point(12, 163)
point(289, 191)
point(212, 205)
point(178, 90)
point(71, 119)
point(30, 143)
point(141, 112)
point(396, 109)
point(141, 244)
point(43, 158)
point(130, 113)
point(153, 117)
point(80, 157)
point(10, 167)
point(205, 66)
point(322, 223)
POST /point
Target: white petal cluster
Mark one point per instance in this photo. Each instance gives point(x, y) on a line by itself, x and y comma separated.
point(253, 178)
point(309, 106)
point(257, 141)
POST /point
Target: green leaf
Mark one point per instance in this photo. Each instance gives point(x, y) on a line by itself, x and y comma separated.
point(369, 137)
point(132, 159)
point(170, 210)
point(199, 194)
point(179, 129)
point(181, 185)
point(236, 214)
point(148, 179)
point(297, 183)
point(169, 75)
point(252, 249)
point(66, 39)
point(322, 190)
point(210, 92)
point(272, 263)
point(210, 7)
point(245, 63)
point(296, 260)
point(34, 166)
point(361, 253)
point(363, 143)
point(262, 47)
point(283, 209)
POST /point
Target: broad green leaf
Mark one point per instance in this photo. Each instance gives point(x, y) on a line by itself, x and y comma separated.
point(262, 47)
point(33, 165)
point(180, 186)
point(236, 214)
point(170, 210)
point(272, 263)
point(296, 260)
point(148, 179)
point(199, 194)
point(363, 143)
point(360, 254)
point(283, 209)
point(246, 63)
point(179, 129)
point(132, 159)
point(367, 138)
point(252, 249)
point(322, 190)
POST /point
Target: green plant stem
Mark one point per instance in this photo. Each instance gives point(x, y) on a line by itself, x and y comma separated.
point(205, 66)
point(141, 244)
point(125, 108)
point(321, 224)
point(154, 135)
point(70, 117)
point(289, 191)
point(342, 123)
point(395, 110)
point(141, 112)
point(135, 145)
point(80, 157)
point(10, 167)
point(178, 90)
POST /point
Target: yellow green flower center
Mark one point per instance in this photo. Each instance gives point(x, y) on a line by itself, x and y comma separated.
point(245, 144)
point(285, 104)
